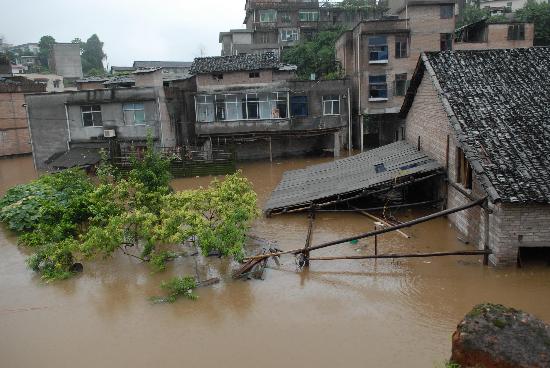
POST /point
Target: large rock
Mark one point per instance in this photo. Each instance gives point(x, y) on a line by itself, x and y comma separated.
point(494, 336)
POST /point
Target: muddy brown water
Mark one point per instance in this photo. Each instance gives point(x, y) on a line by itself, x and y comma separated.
point(337, 314)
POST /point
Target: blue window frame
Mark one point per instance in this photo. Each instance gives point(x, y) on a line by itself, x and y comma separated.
point(378, 48)
point(378, 87)
point(299, 106)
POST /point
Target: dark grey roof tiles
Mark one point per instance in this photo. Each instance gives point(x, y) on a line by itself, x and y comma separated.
point(234, 63)
point(501, 100)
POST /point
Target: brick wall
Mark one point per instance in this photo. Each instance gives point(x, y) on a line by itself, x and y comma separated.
point(497, 38)
point(14, 134)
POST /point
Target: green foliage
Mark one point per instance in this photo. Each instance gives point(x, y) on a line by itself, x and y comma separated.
point(65, 218)
point(176, 287)
point(45, 44)
point(93, 56)
point(471, 14)
point(539, 14)
point(315, 56)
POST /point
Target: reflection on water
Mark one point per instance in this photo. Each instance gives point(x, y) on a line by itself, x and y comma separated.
point(342, 313)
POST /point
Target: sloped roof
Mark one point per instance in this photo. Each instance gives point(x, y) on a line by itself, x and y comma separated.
point(77, 157)
point(498, 102)
point(162, 64)
point(234, 63)
point(382, 167)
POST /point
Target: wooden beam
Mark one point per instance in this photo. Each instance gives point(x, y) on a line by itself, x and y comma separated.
point(409, 255)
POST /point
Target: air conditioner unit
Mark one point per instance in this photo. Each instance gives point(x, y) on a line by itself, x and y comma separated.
point(109, 133)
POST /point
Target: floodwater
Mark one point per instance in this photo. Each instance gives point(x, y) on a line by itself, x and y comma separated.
point(337, 314)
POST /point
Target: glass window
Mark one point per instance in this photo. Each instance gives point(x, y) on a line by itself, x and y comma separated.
point(331, 105)
point(378, 48)
point(446, 11)
point(254, 75)
point(400, 84)
point(378, 88)
point(516, 32)
point(285, 17)
point(289, 35)
point(446, 41)
point(268, 16)
point(401, 46)
point(308, 15)
point(91, 115)
point(279, 106)
point(134, 113)
point(233, 107)
point(205, 108)
point(251, 106)
point(299, 106)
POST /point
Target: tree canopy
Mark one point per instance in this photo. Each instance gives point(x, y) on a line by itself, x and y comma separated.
point(315, 56)
point(45, 44)
point(64, 218)
point(92, 54)
point(539, 14)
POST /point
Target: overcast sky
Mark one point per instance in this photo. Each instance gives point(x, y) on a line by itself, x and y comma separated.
point(130, 29)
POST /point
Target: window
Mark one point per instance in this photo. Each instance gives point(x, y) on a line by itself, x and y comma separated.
point(134, 113)
point(91, 115)
point(516, 32)
point(220, 109)
point(279, 109)
point(509, 7)
point(446, 11)
point(205, 108)
point(251, 106)
point(401, 46)
point(288, 35)
point(463, 169)
point(331, 105)
point(299, 106)
point(378, 49)
point(254, 75)
point(56, 83)
point(400, 84)
point(217, 76)
point(446, 41)
point(378, 88)
point(285, 17)
point(308, 16)
point(268, 16)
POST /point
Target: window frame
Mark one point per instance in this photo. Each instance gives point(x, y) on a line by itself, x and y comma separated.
point(295, 35)
point(516, 32)
point(91, 113)
point(399, 78)
point(265, 12)
point(399, 52)
point(309, 15)
point(377, 84)
point(304, 106)
point(332, 101)
point(254, 75)
point(125, 108)
point(464, 172)
point(446, 11)
point(380, 48)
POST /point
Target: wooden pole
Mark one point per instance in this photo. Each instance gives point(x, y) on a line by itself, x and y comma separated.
point(270, 151)
point(309, 235)
point(375, 242)
point(410, 255)
point(377, 232)
point(372, 217)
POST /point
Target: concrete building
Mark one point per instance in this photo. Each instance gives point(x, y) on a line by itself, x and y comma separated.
point(53, 82)
point(272, 25)
point(380, 56)
point(14, 132)
point(251, 104)
point(485, 116)
point(72, 126)
point(65, 60)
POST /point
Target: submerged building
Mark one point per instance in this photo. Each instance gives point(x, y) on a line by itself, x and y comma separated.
point(485, 117)
point(252, 105)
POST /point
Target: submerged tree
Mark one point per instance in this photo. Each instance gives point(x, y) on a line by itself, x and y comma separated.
point(66, 219)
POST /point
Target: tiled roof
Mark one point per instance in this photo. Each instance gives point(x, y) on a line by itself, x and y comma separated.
point(162, 64)
point(500, 100)
point(234, 63)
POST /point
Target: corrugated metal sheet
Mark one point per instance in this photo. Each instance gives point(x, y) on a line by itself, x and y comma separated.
point(372, 169)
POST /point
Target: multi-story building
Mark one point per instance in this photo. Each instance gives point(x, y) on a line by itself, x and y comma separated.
point(69, 128)
point(272, 25)
point(65, 60)
point(381, 55)
point(251, 104)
